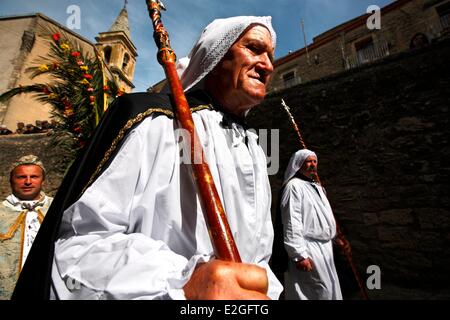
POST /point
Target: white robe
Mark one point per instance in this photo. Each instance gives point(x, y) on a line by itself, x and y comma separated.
point(137, 232)
point(309, 227)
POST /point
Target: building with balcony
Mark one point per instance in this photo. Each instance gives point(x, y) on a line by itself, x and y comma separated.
point(405, 24)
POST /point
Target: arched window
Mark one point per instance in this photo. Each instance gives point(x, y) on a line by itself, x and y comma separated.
point(126, 61)
point(107, 54)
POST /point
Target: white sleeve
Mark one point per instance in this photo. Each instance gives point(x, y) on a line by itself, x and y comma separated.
point(275, 286)
point(292, 217)
point(101, 254)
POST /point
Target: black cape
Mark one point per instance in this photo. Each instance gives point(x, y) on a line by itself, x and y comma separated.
point(124, 114)
point(279, 259)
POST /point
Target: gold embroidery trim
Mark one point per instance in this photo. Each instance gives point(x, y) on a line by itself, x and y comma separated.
point(22, 239)
point(12, 230)
point(201, 107)
point(123, 131)
point(40, 216)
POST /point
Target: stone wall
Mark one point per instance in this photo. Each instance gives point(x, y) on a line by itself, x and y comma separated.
point(382, 137)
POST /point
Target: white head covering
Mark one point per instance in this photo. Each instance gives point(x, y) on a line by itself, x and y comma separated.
point(296, 163)
point(214, 42)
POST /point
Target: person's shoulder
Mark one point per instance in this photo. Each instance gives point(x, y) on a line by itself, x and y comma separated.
point(3, 204)
point(144, 103)
point(7, 210)
point(159, 99)
point(140, 102)
point(6, 204)
point(296, 185)
point(296, 182)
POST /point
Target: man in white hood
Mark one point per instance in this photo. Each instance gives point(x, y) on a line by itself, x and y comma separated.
point(136, 230)
point(309, 228)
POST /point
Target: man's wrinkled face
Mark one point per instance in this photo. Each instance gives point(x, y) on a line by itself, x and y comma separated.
point(26, 182)
point(309, 167)
point(240, 79)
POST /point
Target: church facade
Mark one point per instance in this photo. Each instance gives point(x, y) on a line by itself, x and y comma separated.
point(24, 43)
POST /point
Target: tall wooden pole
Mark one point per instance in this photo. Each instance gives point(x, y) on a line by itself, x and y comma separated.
point(219, 230)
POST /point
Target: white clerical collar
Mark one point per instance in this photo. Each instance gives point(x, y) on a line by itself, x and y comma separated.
point(26, 204)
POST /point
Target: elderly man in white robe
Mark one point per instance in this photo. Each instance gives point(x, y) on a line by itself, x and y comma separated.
point(138, 231)
point(309, 228)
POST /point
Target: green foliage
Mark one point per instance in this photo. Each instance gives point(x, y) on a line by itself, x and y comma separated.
point(78, 92)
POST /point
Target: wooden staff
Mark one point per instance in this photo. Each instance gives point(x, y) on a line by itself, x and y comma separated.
point(294, 124)
point(218, 227)
point(339, 233)
point(349, 257)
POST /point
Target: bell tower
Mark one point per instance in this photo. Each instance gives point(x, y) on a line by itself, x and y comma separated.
point(118, 50)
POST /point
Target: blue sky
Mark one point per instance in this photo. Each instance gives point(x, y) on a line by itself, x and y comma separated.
point(185, 19)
